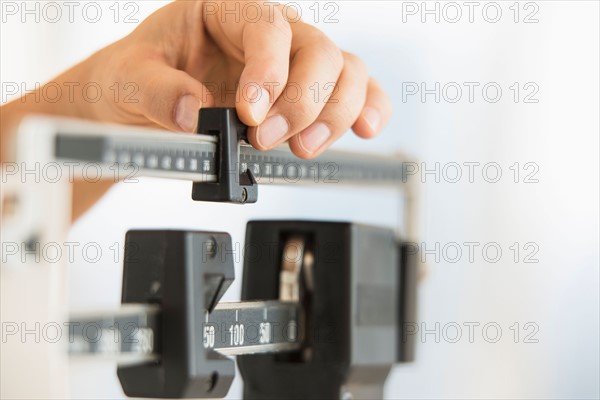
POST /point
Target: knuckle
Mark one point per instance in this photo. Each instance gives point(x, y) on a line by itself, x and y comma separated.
point(302, 114)
point(334, 53)
point(274, 73)
point(279, 24)
point(325, 46)
point(157, 112)
point(351, 57)
point(346, 114)
point(151, 101)
point(356, 62)
point(342, 119)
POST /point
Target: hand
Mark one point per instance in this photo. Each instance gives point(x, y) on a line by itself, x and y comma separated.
point(293, 83)
point(287, 80)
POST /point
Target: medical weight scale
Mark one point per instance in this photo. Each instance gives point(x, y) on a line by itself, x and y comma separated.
point(323, 316)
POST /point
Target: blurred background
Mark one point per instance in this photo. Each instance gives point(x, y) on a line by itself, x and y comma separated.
point(498, 101)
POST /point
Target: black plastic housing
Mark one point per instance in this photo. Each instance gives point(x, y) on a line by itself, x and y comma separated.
point(232, 186)
point(186, 273)
point(352, 335)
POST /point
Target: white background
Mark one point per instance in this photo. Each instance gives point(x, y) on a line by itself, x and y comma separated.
point(559, 214)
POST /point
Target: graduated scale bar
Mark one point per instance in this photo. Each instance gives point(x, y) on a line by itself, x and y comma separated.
point(131, 334)
point(139, 152)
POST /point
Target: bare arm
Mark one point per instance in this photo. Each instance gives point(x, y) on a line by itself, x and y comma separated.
point(183, 58)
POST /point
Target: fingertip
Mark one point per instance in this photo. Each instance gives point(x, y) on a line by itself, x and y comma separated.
point(252, 134)
point(254, 104)
point(300, 150)
point(259, 101)
point(368, 123)
point(186, 113)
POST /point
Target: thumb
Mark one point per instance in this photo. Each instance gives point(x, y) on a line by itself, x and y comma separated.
point(170, 97)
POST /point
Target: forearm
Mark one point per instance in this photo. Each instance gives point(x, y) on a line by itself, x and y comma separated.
point(83, 91)
point(75, 94)
point(180, 59)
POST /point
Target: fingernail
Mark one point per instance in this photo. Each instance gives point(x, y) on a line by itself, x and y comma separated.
point(260, 100)
point(313, 137)
point(186, 114)
point(272, 130)
point(372, 117)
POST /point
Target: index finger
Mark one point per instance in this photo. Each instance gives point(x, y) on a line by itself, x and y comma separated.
point(261, 37)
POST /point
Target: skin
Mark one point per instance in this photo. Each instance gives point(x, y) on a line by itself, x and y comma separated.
point(186, 56)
